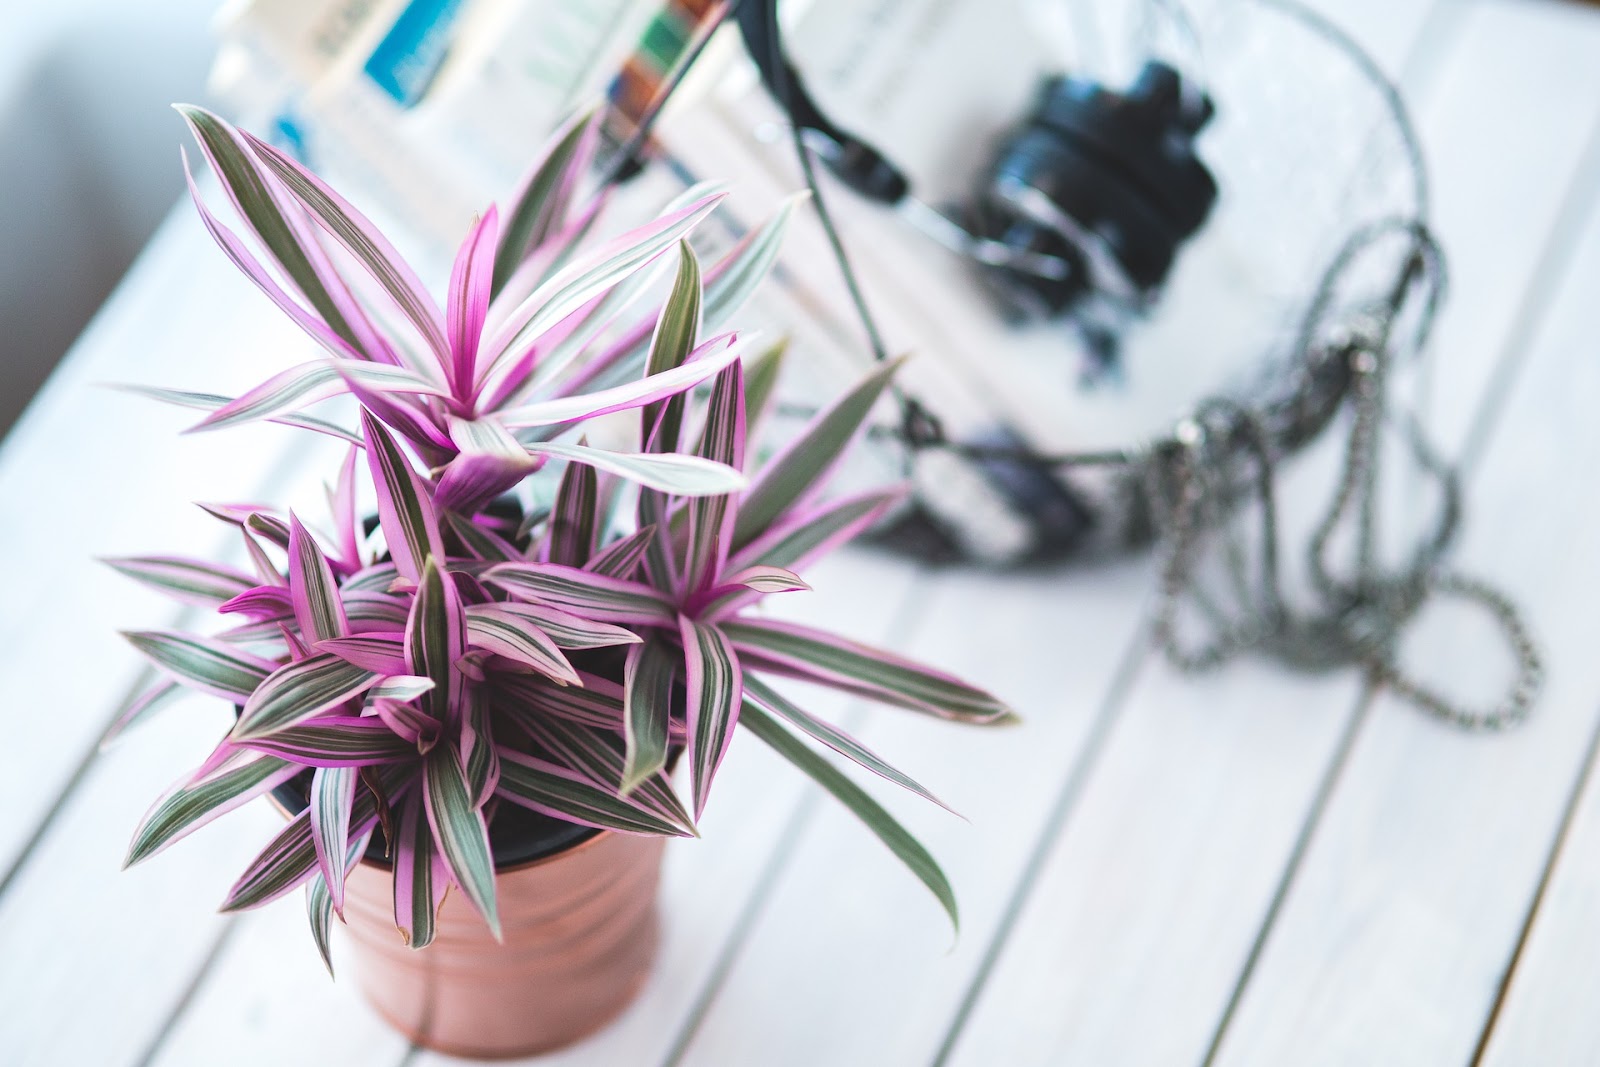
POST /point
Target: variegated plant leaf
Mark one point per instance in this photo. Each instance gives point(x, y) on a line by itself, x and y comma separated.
point(556, 790)
point(593, 596)
point(844, 664)
point(763, 694)
point(203, 663)
point(647, 704)
point(796, 474)
point(404, 510)
point(572, 520)
point(459, 830)
point(312, 589)
point(191, 581)
point(669, 472)
point(714, 682)
point(337, 741)
point(191, 805)
point(677, 329)
point(869, 811)
point(333, 795)
point(621, 558)
point(298, 691)
point(594, 273)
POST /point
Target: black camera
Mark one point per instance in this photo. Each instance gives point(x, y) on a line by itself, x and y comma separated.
point(1106, 182)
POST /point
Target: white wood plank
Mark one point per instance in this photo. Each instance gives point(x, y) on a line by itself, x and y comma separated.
point(1404, 917)
point(1147, 908)
point(91, 472)
point(1548, 1014)
point(851, 962)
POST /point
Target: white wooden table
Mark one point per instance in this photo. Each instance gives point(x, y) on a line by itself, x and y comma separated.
point(1255, 868)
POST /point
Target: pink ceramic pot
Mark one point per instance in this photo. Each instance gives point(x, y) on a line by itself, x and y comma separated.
point(581, 931)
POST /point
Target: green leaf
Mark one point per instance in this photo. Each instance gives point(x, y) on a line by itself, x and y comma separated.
point(191, 806)
point(714, 683)
point(436, 638)
point(319, 901)
point(459, 829)
point(711, 517)
point(572, 521)
point(647, 710)
point(671, 472)
point(740, 271)
point(544, 786)
point(761, 381)
point(245, 182)
point(677, 329)
point(298, 691)
point(207, 664)
point(869, 811)
point(833, 737)
point(542, 200)
point(190, 580)
point(797, 471)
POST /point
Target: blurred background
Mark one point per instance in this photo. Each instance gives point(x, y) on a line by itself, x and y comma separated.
point(88, 166)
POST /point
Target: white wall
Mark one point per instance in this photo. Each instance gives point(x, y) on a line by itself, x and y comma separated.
point(88, 160)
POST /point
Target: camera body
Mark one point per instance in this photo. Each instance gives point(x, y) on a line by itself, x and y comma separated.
point(1107, 182)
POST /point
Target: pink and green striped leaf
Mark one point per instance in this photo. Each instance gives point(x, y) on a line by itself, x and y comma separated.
point(564, 629)
point(333, 795)
point(621, 558)
point(436, 638)
point(315, 596)
point(541, 201)
point(479, 757)
point(594, 755)
point(337, 741)
point(481, 543)
point(560, 791)
point(191, 581)
point(247, 185)
point(287, 392)
point(468, 301)
point(704, 362)
point(796, 474)
point(193, 804)
point(668, 472)
point(593, 274)
point(831, 736)
point(803, 652)
point(288, 862)
point(715, 682)
point(319, 900)
point(383, 653)
point(909, 850)
point(362, 240)
point(490, 462)
point(677, 329)
point(503, 630)
point(404, 509)
point(417, 892)
point(572, 519)
point(140, 708)
point(711, 518)
point(460, 832)
point(761, 373)
point(202, 663)
point(583, 593)
point(647, 711)
point(299, 691)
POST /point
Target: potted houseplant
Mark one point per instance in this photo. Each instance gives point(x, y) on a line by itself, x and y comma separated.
point(474, 689)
